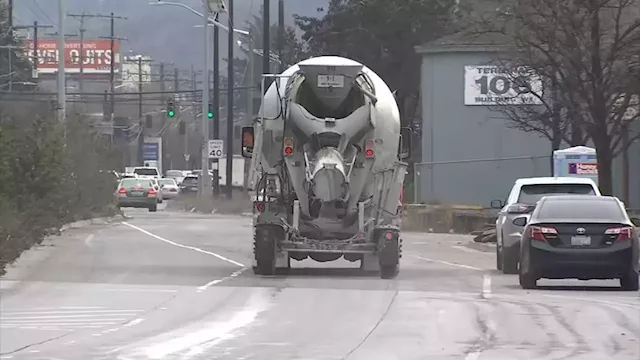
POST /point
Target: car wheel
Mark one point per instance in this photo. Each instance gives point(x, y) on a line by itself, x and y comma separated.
point(630, 283)
point(527, 281)
point(510, 259)
point(153, 208)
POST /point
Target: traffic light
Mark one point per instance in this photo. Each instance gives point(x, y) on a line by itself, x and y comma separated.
point(210, 113)
point(171, 110)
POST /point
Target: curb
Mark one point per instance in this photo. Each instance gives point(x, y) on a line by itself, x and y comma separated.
point(93, 221)
point(484, 247)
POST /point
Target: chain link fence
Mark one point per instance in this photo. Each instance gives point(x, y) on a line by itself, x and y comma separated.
point(474, 181)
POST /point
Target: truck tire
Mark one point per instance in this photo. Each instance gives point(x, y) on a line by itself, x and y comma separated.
point(389, 255)
point(264, 250)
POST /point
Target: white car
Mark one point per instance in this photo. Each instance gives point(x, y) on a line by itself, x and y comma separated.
point(169, 188)
point(145, 172)
point(522, 199)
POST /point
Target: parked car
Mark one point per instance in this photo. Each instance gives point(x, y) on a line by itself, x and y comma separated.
point(583, 237)
point(137, 193)
point(169, 188)
point(521, 201)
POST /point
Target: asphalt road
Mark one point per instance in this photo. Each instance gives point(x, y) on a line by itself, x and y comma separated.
point(175, 286)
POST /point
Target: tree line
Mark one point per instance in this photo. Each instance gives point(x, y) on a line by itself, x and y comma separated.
point(51, 173)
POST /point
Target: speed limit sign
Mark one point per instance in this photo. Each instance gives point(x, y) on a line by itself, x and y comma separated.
point(215, 149)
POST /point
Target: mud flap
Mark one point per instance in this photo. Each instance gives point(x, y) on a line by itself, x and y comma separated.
point(389, 252)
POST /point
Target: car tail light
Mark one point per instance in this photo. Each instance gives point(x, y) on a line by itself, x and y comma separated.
point(520, 209)
point(388, 235)
point(260, 207)
point(622, 233)
point(152, 192)
point(288, 146)
point(369, 152)
point(122, 190)
point(541, 233)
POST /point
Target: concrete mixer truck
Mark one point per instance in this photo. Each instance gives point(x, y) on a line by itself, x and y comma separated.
point(327, 169)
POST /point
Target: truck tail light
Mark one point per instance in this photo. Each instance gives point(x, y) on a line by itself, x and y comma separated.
point(369, 152)
point(288, 146)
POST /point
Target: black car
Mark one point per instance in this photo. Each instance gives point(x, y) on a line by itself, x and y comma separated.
point(581, 237)
point(189, 184)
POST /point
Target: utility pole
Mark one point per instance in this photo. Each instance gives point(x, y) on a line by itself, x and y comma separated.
point(162, 86)
point(204, 193)
point(35, 57)
point(216, 104)
point(230, 84)
point(62, 103)
point(10, 9)
point(112, 65)
point(139, 61)
point(266, 51)
point(280, 36)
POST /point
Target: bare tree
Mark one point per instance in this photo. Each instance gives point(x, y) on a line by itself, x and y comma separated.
point(586, 53)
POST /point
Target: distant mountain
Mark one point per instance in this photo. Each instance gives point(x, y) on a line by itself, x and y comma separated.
point(165, 33)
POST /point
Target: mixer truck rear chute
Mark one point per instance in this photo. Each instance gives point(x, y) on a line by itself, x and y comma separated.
point(327, 168)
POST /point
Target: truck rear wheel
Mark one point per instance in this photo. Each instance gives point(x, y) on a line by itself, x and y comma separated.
point(264, 249)
point(389, 254)
point(389, 271)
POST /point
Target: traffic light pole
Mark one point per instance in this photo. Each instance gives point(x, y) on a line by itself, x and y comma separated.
point(205, 203)
point(216, 104)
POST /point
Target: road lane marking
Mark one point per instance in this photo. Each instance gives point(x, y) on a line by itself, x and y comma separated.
point(89, 239)
point(217, 281)
point(447, 263)
point(486, 286)
point(141, 290)
point(183, 246)
point(470, 250)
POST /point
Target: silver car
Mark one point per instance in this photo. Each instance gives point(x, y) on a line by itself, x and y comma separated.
point(158, 189)
point(521, 202)
point(169, 188)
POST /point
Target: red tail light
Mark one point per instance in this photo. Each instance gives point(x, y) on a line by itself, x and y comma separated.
point(369, 152)
point(260, 207)
point(288, 146)
point(541, 233)
point(122, 190)
point(152, 191)
point(622, 233)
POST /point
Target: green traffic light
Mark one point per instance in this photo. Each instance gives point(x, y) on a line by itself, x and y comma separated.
point(171, 113)
point(210, 115)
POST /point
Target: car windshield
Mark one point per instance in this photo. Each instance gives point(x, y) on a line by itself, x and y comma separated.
point(168, 182)
point(581, 209)
point(190, 179)
point(531, 194)
point(131, 182)
point(146, 171)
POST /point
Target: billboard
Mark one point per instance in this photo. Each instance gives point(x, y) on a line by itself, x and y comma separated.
point(97, 56)
point(494, 85)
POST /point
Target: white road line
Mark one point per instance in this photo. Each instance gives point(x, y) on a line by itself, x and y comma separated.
point(54, 308)
point(96, 312)
point(470, 250)
point(89, 239)
point(183, 246)
point(486, 286)
point(214, 282)
point(447, 263)
point(80, 316)
point(141, 290)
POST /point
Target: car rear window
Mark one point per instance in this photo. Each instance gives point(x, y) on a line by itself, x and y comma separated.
point(131, 182)
point(190, 179)
point(169, 182)
point(581, 210)
point(146, 171)
point(531, 194)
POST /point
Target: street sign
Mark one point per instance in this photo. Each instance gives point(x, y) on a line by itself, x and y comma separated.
point(215, 149)
point(186, 157)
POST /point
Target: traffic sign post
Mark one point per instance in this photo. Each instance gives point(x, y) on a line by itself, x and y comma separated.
point(216, 149)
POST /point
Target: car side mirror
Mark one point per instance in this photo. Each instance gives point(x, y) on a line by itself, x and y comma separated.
point(635, 221)
point(404, 151)
point(247, 141)
point(496, 204)
point(520, 221)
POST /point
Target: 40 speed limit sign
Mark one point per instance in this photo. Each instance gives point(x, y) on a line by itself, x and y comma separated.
point(215, 149)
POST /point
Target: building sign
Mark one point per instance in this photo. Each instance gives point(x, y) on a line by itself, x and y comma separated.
point(583, 169)
point(150, 151)
point(495, 85)
point(97, 56)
